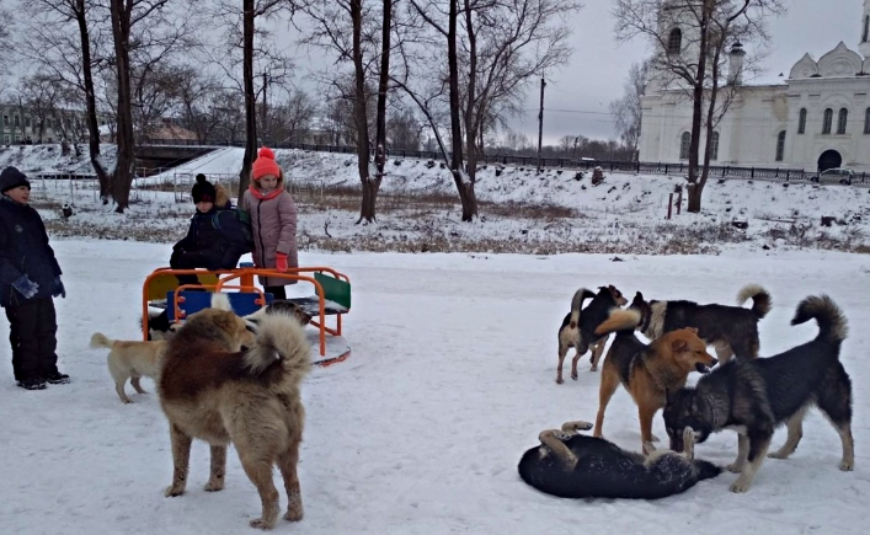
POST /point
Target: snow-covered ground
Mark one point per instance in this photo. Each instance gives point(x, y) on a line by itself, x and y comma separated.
point(521, 211)
point(420, 430)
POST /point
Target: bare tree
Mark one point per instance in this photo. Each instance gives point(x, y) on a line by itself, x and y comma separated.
point(144, 33)
point(64, 38)
point(367, 46)
point(249, 49)
point(627, 110)
point(290, 118)
point(690, 38)
point(41, 94)
point(405, 130)
point(500, 46)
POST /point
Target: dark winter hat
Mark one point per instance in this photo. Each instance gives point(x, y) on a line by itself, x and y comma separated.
point(10, 178)
point(203, 190)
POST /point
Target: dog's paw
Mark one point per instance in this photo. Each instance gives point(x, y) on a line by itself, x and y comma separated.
point(778, 455)
point(214, 486)
point(734, 468)
point(740, 486)
point(259, 523)
point(654, 438)
point(559, 380)
point(648, 448)
point(593, 368)
point(847, 465)
point(173, 491)
point(293, 515)
point(574, 375)
point(578, 425)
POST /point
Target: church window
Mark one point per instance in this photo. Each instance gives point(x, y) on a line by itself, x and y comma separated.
point(866, 35)
point(802, 121)
point(675, 41)
point(685, 142)
point(867, 121)
point(829, 120)
point(842, 119)
point(780, 146)
point(714, 146)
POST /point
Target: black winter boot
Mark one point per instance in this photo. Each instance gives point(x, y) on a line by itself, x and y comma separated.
point(34, 383)
point(58, 378)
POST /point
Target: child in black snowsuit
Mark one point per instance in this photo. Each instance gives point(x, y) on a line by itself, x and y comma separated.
point(215, 239)
point(29, 278)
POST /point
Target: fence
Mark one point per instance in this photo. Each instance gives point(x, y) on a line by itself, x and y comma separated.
point(716, 171)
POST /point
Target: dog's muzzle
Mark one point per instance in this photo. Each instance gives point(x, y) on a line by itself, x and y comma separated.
point(703, 368)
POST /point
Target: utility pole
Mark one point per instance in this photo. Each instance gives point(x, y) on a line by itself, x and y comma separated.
point(541, 124)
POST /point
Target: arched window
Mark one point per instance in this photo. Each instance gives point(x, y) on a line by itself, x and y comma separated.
point(714, 146)
point(867, 121)
point(675, 41)
point(866, 34)
point(685, 143)
point(780, 146)
point(842, 119)
point(802, 121)
point(828, 122)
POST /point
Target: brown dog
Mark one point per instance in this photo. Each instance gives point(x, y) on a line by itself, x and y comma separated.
point(214, 389)
point(648, 372)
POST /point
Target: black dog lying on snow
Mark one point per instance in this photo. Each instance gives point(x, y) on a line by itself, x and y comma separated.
point(570, 465)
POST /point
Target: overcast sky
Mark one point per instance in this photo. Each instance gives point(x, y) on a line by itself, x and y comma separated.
point(577, 97)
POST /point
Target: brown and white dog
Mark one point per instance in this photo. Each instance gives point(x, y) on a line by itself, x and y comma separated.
point(221, 384)
point(731, 330)
point(648, 372)
point(578, 327)
point(131, 360)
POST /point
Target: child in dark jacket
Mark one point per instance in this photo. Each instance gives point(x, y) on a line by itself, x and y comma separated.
point(215, 239)
point(29, 279)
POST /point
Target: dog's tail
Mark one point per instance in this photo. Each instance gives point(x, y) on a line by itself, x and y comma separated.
point(577, 303)
point(832, 323)
point(761, 301)
point(101, 340)
point(280, 341)
point(619, 320)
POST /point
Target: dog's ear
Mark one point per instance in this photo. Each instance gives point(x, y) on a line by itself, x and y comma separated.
point(693, 330)
point(679, 345)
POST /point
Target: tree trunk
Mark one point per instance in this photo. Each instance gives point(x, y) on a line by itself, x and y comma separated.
point(123, 176)
point(91, 104)
point(466, 194)
point(359, 112)
point(368, 210)
point(250, 97)
point(697, 113)
point(473, 114)
point(697, 192)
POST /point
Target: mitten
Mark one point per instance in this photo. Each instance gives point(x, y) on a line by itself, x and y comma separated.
point(26, 287)
point(58, 289)
point(281, 262)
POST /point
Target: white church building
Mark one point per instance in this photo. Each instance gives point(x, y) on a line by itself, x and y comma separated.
point(817, 118)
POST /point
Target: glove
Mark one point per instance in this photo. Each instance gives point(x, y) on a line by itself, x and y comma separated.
point(26, 287)
point(58, 289)
point(281, 262)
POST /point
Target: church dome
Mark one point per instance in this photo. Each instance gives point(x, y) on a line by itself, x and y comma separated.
point(805, 68)
point(840, 62)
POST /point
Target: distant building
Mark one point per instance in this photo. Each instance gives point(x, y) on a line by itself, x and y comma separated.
point(21, 124)
point(817, 118)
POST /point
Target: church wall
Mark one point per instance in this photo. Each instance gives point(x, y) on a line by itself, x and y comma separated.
point(748, 132)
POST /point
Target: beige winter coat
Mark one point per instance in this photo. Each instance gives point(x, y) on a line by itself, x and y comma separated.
point(273, 222)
